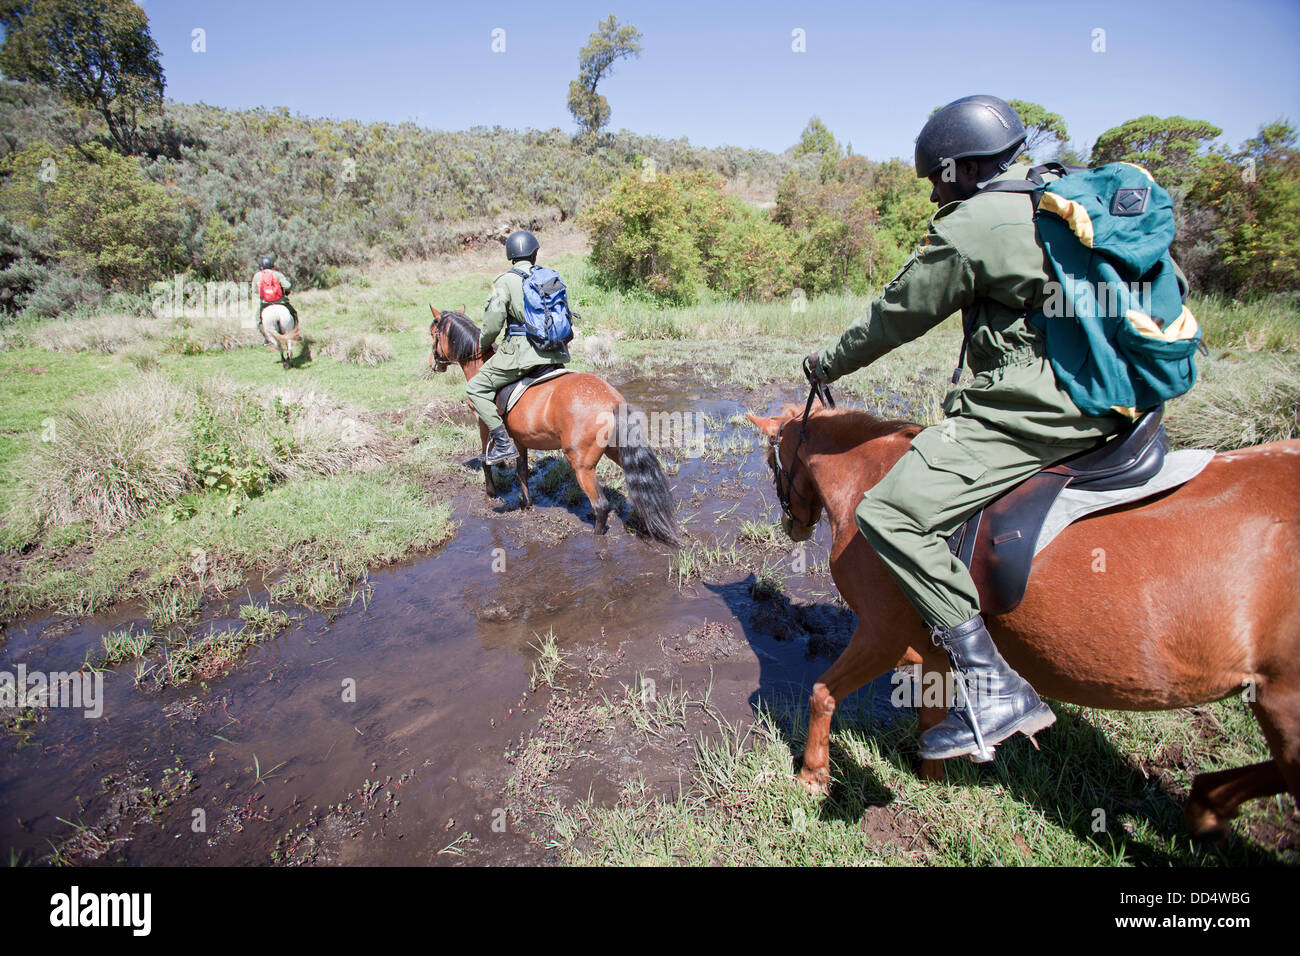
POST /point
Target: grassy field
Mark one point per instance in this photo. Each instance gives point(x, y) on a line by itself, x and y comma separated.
point(134, 450)
point(164, 460)
point(1106, 789)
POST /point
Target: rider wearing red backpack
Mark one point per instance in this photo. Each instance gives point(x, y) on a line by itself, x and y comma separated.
point(272, 288)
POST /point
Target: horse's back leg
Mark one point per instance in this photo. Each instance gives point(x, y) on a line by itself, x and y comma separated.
point(1216, 797)
point(583, 462)
point(866, 658)
point(521, 471)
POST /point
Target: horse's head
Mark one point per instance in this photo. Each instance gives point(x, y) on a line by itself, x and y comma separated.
point(454, 339)
point(801, 506)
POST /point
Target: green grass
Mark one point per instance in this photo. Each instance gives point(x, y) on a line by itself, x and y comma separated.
point(314, 540)
point(324, 547)
point(742, 806)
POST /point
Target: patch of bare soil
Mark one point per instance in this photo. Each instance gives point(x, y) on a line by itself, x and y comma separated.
point(902, 831)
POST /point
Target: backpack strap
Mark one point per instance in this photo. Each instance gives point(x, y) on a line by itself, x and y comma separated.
point(521, 328)
point(1032, 185)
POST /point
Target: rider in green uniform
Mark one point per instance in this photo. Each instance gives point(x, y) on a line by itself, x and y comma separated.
point(980, 256)
point(516, 357)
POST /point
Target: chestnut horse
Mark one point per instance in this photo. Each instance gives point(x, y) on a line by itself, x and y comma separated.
point(577, 412)
point(1190, 597)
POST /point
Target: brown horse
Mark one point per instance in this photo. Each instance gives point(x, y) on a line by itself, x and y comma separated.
point(1184, 599)
point(580, 413)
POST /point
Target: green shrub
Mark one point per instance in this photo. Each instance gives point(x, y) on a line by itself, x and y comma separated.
point(674, 233)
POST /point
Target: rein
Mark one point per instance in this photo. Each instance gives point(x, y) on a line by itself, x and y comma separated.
point(822, 392)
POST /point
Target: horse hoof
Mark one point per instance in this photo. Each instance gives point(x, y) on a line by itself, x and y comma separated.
point(1205, 824)
point(816, 783)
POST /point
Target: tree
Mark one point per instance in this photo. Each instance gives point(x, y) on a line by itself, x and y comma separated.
point(1252, 202)
point(1167, 148)
point(1043, 127)
point(817, 138)
point(137, 237)
point(97, 54)
point(596, 60)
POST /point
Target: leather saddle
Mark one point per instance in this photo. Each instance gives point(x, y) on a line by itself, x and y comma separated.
point(997, 542)
point(505, 394)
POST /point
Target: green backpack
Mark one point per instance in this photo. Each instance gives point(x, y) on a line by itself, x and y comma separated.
point(1117, 333)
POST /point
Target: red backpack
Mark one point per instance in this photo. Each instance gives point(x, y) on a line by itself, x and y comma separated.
point(268, 287)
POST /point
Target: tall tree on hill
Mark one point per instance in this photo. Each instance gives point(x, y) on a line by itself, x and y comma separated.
point(97, 54)
point(609, 43)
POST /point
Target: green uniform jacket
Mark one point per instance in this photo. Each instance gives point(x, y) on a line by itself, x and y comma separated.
point(505, 305)
point(980, 254)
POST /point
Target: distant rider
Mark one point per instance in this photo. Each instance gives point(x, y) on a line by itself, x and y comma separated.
point(272, 288)
point(516, 358)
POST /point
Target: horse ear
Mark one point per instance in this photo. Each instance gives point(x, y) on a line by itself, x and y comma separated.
point(768, 426)
point(464, 310)
point(436, 313)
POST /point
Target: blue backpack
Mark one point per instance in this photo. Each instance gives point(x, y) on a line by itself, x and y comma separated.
point(547, 320)
point(1116, 331)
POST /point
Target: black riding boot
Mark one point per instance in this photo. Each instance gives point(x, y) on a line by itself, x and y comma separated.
point(1001, 701)
point(501, 448)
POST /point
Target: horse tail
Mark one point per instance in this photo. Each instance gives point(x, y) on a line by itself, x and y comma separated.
point(647, 486)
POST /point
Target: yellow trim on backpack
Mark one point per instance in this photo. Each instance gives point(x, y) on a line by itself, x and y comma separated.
point(1183, 327)
point(1128, 411)
point(1140, 169)
point(1075, 216)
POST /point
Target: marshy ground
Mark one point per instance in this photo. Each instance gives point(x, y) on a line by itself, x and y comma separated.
point(338, 651)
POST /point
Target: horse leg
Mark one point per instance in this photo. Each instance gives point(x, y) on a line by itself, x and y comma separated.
point(521, 471)
point(490, 486)
point(1216, 797)
point(866, 657)
point(932, 660)
point(583, 463)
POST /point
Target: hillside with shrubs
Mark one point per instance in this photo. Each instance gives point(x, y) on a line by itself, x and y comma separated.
point(83, 225)
point(211, 189)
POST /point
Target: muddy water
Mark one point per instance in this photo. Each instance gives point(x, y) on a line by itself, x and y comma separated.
point(439, 656)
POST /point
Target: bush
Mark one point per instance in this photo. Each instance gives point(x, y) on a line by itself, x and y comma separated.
point(673, 233)
point(138, 235)
point(114, 458)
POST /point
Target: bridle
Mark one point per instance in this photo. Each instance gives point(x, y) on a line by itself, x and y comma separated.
point(785, 479)
point(442, 362)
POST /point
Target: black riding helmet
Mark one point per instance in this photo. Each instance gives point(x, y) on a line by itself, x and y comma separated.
point(969, 127)
point(521, 245)
point(268, 262)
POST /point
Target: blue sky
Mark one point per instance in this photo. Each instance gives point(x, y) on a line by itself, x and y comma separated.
point(725, 74)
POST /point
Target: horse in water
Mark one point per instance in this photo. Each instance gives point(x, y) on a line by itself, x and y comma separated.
point(579, 413)
point(1200, 599)
point(280, 326)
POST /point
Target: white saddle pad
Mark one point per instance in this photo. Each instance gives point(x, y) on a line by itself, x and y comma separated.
point(1072, 504)
point(541, 378)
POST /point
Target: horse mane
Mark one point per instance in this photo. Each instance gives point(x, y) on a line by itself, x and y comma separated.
point(852, 426)
point(462, 337)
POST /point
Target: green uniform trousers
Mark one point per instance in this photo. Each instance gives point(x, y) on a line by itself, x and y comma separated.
point(951, 470)
point(497, 372)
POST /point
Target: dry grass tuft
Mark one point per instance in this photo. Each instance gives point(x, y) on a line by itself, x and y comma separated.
point(115, 457)
point(369, 350)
